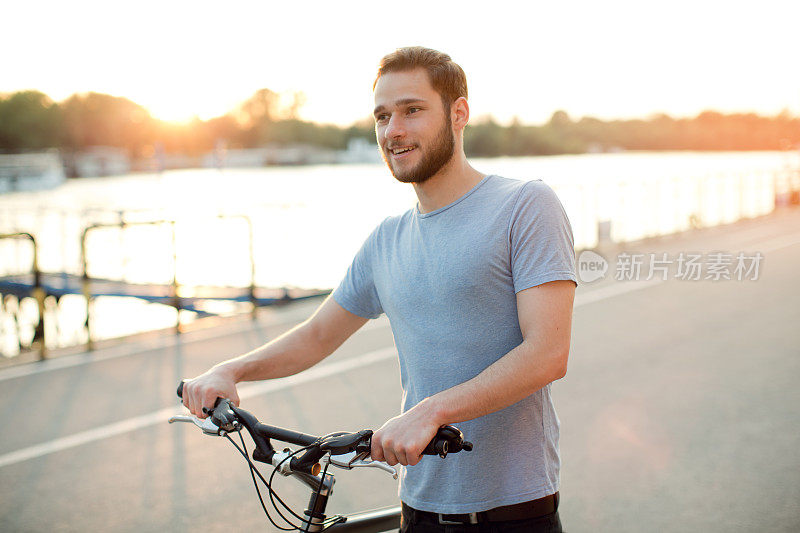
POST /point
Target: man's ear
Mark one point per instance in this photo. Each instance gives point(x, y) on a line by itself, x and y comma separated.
point(459, 113)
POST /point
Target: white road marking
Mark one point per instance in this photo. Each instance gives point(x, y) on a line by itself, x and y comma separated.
point(325, 370)
point(162, 415)
point(775, 244)
point(140, 347)
point(609, 291)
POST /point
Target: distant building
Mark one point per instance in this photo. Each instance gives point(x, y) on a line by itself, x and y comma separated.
point(272, 154)
point(98, 161)
point(236, 158)
point(360, 150)
point(31, 171)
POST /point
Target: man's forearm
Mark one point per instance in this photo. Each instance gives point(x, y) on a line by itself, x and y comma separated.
point(298, 349)
point(294, 351)
point(516, 375)
point(513, 377)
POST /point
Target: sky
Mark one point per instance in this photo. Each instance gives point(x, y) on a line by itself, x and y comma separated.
point(524, 59)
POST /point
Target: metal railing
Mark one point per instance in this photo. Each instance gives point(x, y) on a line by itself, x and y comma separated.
point(175, 285)
point(37, 292)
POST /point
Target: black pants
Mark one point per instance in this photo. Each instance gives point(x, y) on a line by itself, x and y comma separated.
point(549, 523)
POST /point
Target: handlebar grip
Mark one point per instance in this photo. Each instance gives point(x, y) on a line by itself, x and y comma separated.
point(438, 446)
point(448, 439)
point(180, 390)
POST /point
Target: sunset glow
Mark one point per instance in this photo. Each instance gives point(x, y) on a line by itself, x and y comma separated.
point(609, 60)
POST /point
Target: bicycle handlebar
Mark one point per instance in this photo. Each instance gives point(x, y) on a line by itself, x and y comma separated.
point(342, 449)
point(226, 417)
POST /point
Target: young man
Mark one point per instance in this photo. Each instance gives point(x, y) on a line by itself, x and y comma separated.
point(478, 283)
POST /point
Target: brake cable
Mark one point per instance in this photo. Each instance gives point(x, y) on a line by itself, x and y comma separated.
point(306, 522)
point(328, 522)
point(254, 470)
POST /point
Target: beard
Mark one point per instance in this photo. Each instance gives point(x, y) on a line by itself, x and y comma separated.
point(437, 156)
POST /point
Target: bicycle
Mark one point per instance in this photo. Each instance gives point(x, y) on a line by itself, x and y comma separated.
point(345, 450)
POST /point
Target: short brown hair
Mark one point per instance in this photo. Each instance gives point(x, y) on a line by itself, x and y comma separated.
point(446, 77)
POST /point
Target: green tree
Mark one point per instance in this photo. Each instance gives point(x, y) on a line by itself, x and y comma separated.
point(29, 120)
point(256, 116)
point(99, 119)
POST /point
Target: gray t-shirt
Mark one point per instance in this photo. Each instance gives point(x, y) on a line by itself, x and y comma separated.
point(447, 282)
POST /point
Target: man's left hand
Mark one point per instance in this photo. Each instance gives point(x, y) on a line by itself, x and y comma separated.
point(402, 439)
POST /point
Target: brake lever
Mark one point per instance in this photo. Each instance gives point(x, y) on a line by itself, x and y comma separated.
point(208, 427)
point(354, 459)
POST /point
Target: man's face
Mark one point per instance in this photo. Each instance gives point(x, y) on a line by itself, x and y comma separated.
point(412, 126)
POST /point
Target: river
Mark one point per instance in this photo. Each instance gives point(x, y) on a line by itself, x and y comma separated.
point(307, 222)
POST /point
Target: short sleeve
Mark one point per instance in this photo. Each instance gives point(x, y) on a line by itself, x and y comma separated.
point(357, 292)
point(540, 236)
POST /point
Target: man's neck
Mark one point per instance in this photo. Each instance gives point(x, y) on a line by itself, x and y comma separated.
point(452, 182)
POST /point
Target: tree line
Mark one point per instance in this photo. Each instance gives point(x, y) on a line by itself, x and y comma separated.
point(30, 120)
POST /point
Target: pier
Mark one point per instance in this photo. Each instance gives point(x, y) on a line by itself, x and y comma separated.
point(52, 286)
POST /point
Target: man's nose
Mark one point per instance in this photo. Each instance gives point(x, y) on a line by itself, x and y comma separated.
point(395, 128)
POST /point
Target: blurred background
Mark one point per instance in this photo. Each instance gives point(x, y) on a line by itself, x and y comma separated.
point(181, 181)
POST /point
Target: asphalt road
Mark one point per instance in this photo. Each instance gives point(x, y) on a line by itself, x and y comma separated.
point(679, 412)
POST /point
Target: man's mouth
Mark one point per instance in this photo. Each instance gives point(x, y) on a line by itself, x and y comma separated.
point(396, 151)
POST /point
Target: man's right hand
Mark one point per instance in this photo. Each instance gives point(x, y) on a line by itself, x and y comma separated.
point(204, 390)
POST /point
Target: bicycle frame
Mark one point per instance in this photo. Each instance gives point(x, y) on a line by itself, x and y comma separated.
point(371, 521)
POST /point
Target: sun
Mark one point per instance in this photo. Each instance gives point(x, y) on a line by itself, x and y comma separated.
point(182, 105)
point(179, 111)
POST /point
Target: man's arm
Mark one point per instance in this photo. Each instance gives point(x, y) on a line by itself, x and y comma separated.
point(296, 350)
point(545, 318)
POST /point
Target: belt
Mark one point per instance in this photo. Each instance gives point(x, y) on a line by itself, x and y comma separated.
point(517, 511)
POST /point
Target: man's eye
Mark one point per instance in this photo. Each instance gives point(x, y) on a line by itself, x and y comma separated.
point(381, 117)
point(413, 109)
